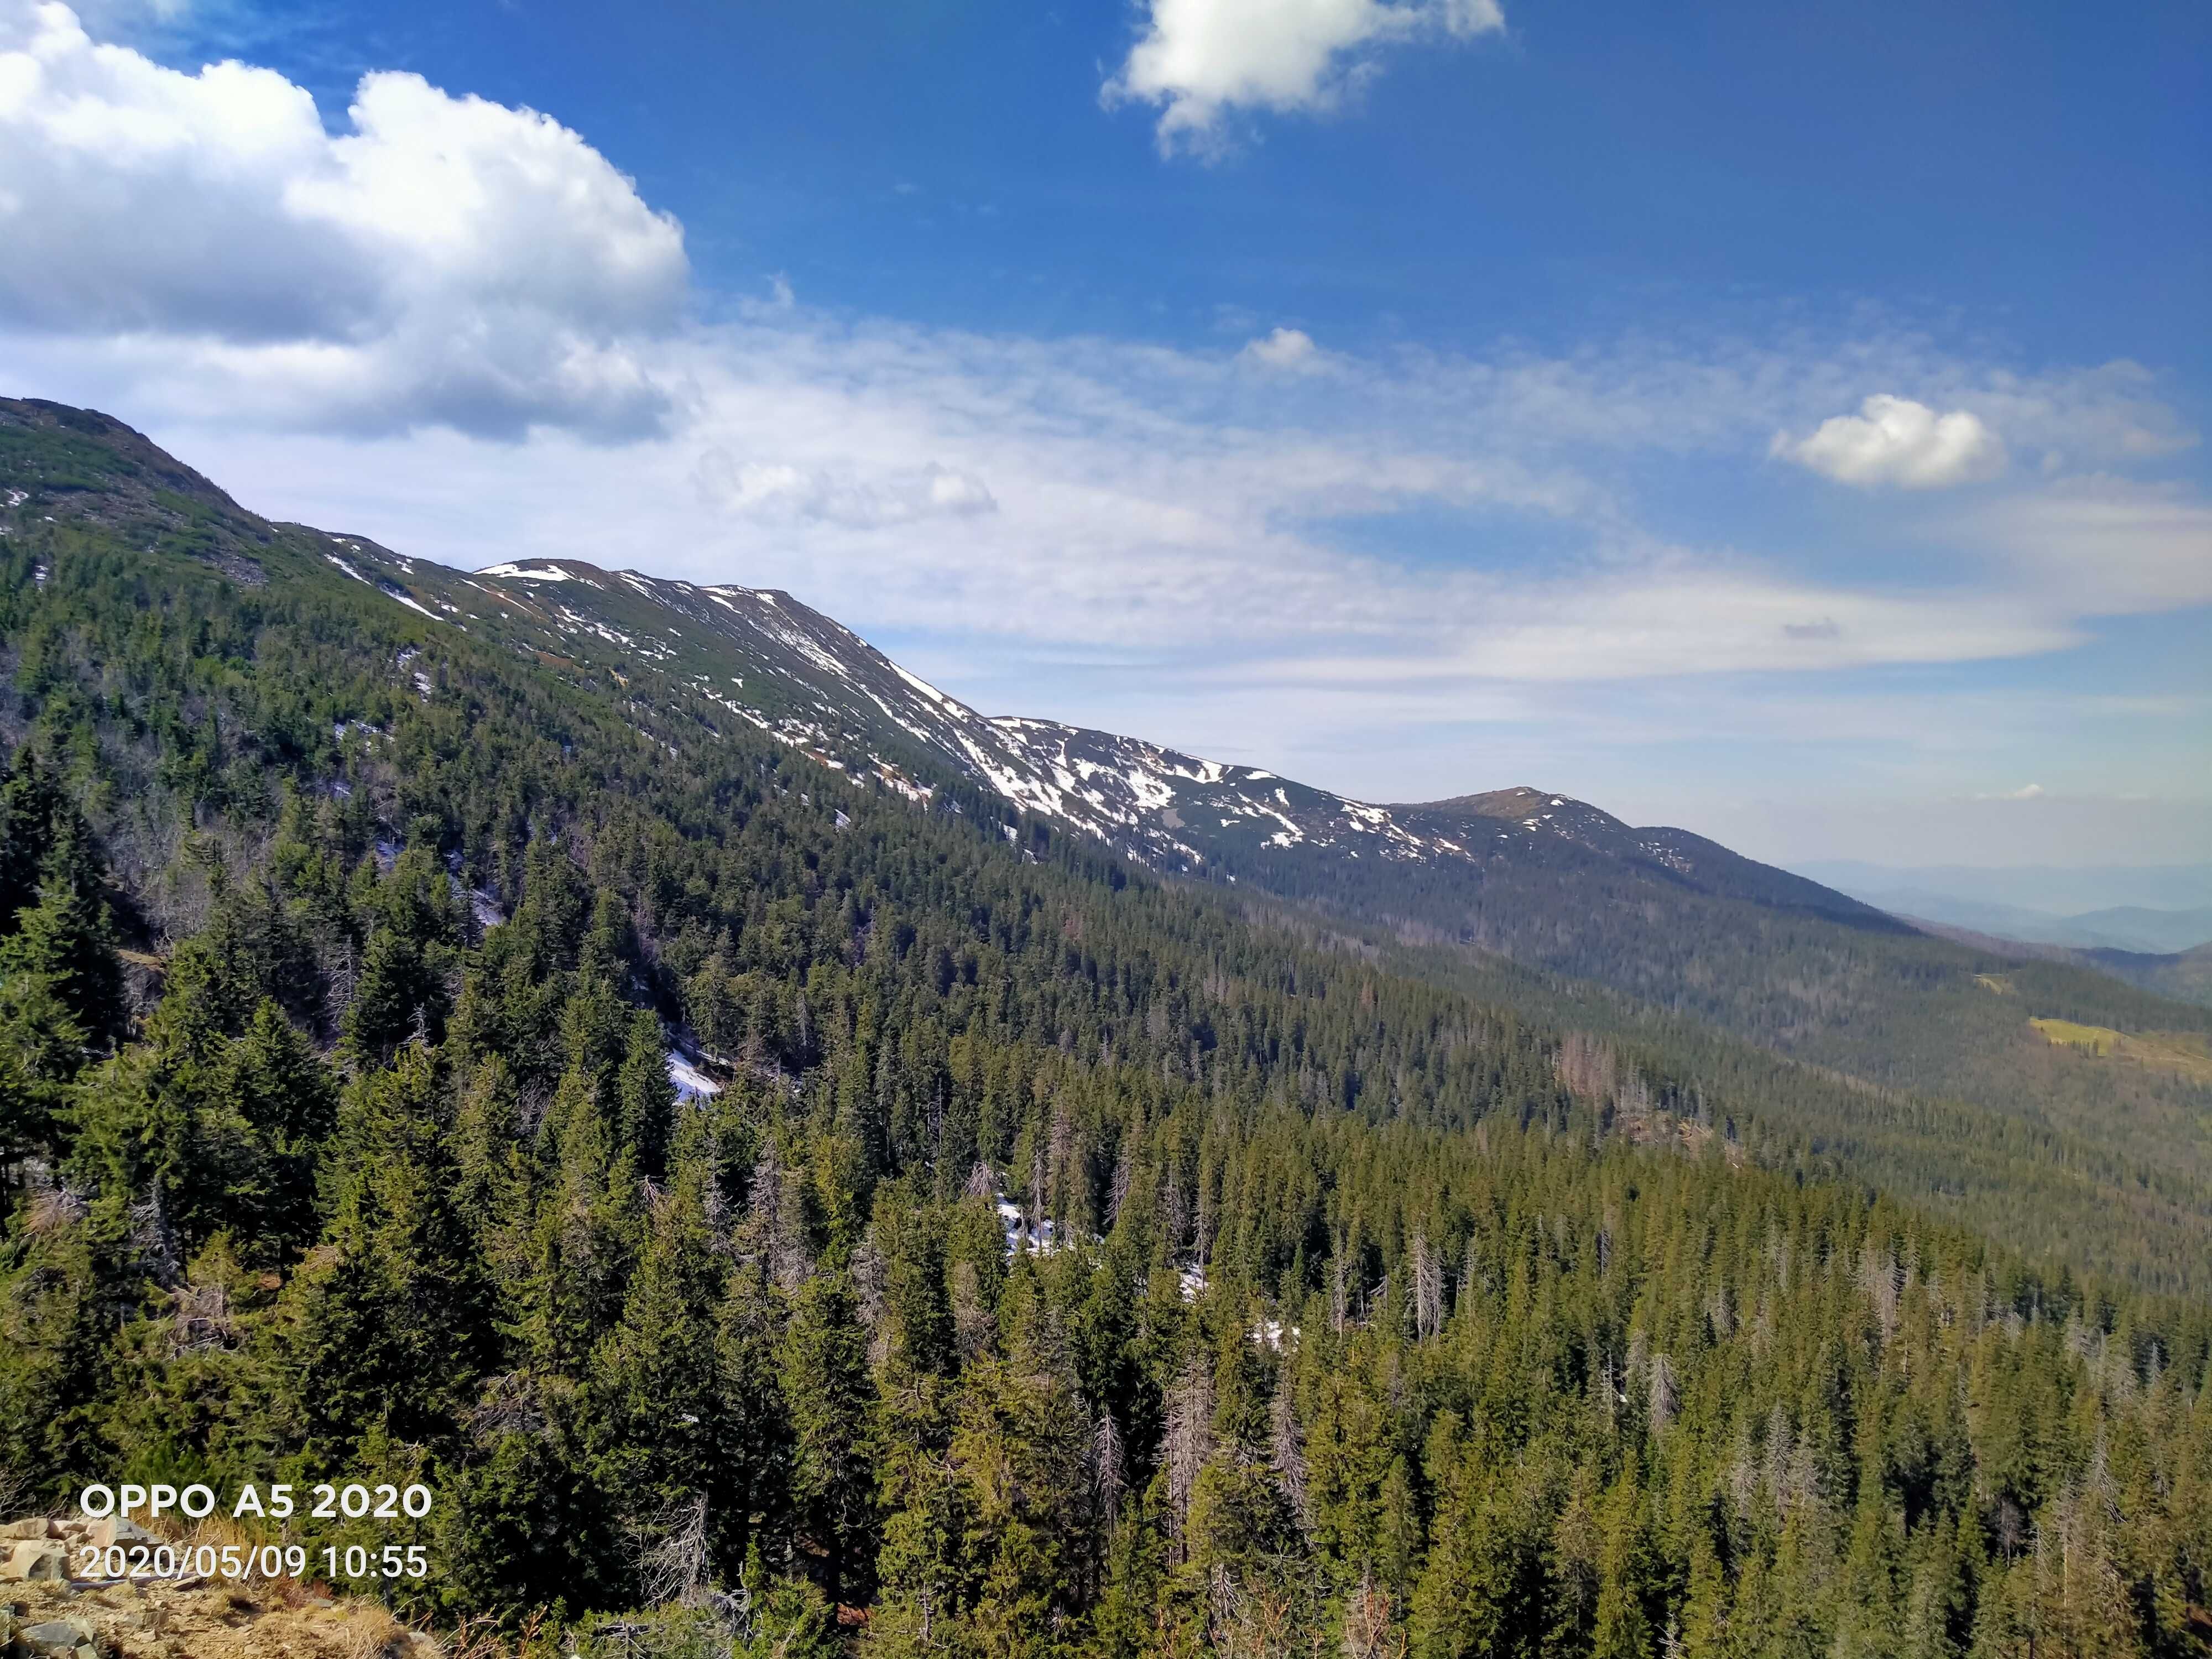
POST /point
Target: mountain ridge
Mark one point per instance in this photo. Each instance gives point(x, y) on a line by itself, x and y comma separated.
point(833, 693)
point(1681, 934)
point(822, 688)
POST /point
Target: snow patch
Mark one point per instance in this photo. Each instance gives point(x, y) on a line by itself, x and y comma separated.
point(410, 601)
point(691, 1083)
point(929, 691)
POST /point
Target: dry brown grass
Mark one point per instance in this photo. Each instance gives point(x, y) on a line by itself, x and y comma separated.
point(371, 1632)
point(2184, 1053)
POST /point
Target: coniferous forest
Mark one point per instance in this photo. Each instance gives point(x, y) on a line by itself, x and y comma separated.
point(1025, 1256)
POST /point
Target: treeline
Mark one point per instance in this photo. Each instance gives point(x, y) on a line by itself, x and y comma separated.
point(1062, 1265)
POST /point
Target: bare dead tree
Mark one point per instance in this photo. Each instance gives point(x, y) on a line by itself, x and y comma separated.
point(1106, 1467)
point(1118, 1191)
point(1428, 1288)
point(1586, 1066)
point(1175, 1211)
point(16, 1489)
point(1367, 1623)
point(1189, 1442)
point(201, 1321)
point(1661, 1400)
point(1039, 1204)
point(779, 1204)
point(155, 1240)
point(672, 1555)
point(1286, 1453)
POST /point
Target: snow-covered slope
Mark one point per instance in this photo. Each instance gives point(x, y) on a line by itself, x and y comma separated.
point(758, 656)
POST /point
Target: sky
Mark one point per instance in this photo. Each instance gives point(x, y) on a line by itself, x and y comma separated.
point(1785, 421)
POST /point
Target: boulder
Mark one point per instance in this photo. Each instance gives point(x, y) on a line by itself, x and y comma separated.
point(31, 1559)
point(55, 1637)
point(114, 1529)
point(36, 1526)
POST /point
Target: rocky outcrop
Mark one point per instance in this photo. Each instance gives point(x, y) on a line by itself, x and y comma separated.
point(54, 1616)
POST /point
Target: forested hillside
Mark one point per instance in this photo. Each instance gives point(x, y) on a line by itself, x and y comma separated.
point(826, 1219)
point(1683, 929)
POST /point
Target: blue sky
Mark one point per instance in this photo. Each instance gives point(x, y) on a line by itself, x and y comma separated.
point(1781, 421)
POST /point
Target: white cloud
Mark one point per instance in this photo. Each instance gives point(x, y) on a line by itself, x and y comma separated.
point(1895, 441)
point(1164, 555)
point(2025, 791)
point(1669, 614)
point(1286, 348)
point(1319, 571)
point(1199, 59)
point(778, 491)
point(2110, 546)
point(445, 259)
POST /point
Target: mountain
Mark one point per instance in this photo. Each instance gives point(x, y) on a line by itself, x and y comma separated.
point(2185, 975)
point(777, 1196)
point(2133, 928)
point(1677, 923)
point(772, 662)
point(1872, 1045)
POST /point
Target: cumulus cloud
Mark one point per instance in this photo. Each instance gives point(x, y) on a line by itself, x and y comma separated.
point(1895, 441)
point(1200, 59)
point(443, 260)
point(1286, 348)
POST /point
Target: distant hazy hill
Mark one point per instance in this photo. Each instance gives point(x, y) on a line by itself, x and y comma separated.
point(2122, 928)
point(2155, 909)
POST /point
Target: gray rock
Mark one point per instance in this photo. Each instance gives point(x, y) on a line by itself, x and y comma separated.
point(55, 1636)
point(113, 1529)
point(34, 1559)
